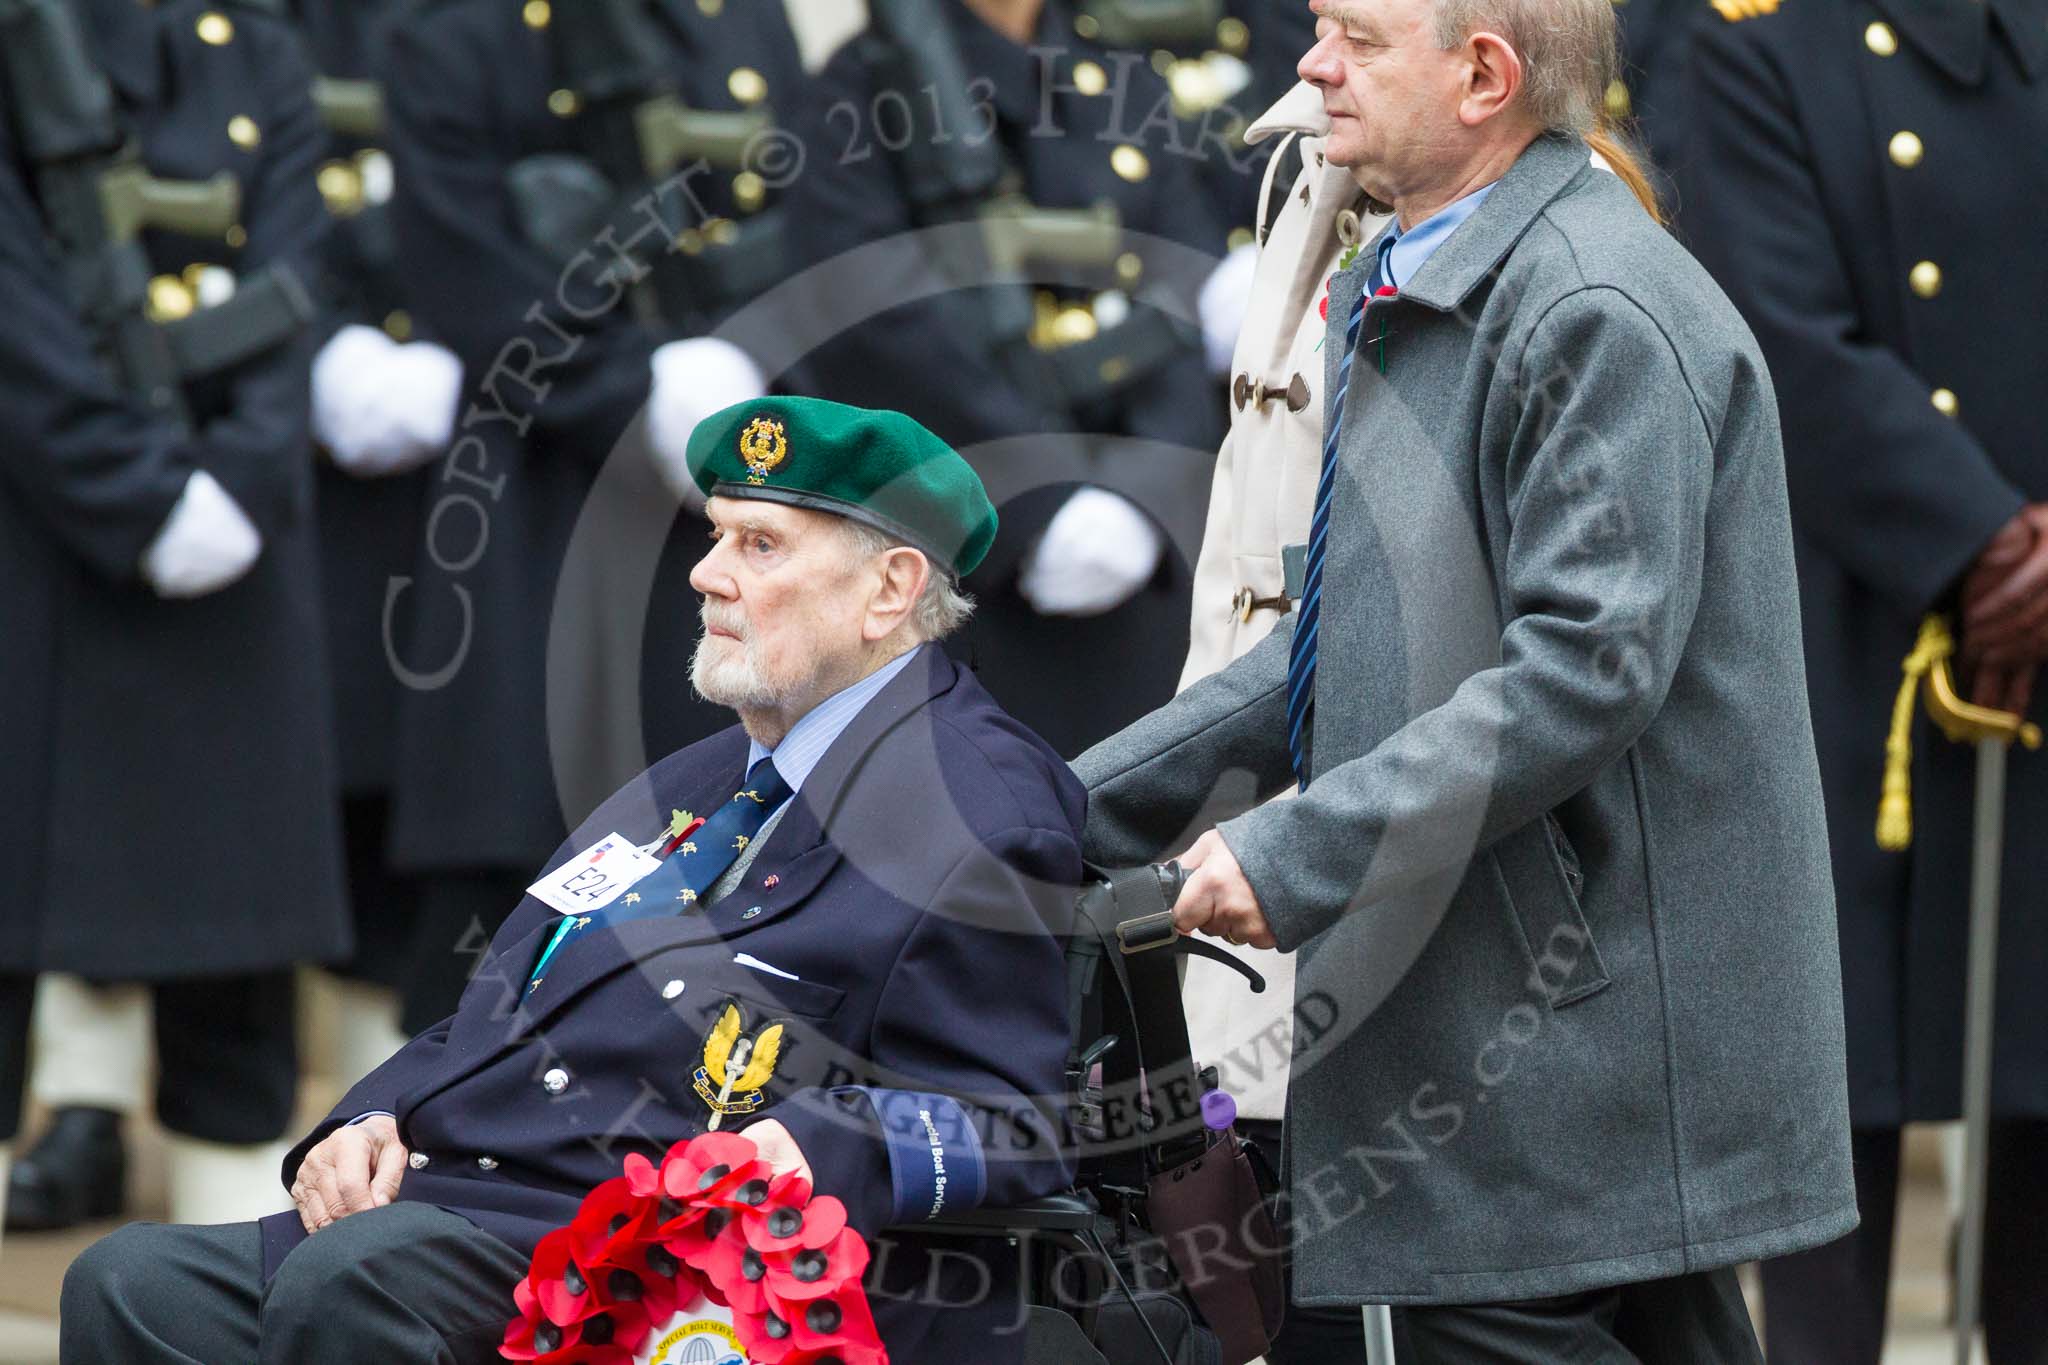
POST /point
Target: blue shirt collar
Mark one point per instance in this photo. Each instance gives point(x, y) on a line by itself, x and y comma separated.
point(812, 735)
point(1405, 252)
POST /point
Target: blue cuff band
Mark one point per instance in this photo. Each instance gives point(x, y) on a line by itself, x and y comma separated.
point(935, 1158)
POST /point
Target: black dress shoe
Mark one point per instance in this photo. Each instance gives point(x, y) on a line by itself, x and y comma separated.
point(78, 1170)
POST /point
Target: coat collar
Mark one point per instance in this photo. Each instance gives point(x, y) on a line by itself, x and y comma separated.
point(1953, 33)
point(1300, 110)
point(1538, 176)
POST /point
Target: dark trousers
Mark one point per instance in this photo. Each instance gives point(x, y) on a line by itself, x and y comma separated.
point(1826, 1306)
point(1686, 1320)
point(405, 1282)
point(226, 1047)
point(1689, 1320)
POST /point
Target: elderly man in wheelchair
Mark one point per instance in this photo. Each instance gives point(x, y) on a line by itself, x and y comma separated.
point(836, 928)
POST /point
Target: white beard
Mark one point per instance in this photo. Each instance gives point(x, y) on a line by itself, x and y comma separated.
point(730, 673)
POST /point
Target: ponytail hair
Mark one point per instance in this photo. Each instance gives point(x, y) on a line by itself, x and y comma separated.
point(1614, 148)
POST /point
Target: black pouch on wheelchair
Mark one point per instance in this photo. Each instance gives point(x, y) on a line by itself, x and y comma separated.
point(1179, 1176)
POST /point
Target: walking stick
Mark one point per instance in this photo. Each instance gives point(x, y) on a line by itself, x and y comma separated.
point(1379, 1334)
point(1993, 733)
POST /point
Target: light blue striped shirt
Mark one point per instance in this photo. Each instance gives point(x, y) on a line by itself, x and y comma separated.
point(811, 736)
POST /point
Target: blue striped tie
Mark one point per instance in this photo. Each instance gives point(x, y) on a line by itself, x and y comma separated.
point(1301, 658)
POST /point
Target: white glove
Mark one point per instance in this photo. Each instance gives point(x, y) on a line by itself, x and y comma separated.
point(380, 407)
point(1225, 297)
point(1097, 551)
point(692, 380)
point(206, 543)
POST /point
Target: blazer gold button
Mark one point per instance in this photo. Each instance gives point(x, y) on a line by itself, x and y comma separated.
point(1233, 36)
point(1880, 39)
point(1945, 403)
point(671, 990)
point(215, 29)
point(563, 103)
point(1925, 279)
point(1130, 163)
point(487, 1163)
point(537, 13)
point(418, 1161)
point(1090, 78)
point(555, 1081)
point(243, 132)
point(1906, 149)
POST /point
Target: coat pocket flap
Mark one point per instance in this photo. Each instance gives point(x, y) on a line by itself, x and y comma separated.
point(1564, 962)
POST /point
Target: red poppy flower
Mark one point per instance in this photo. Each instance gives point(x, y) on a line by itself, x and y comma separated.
point(557, 1282)
point(1385, 291)
point(643, 1177)
point(788, 1217)
point(840, 1323)
point(814, 1272)
point(610, 1222)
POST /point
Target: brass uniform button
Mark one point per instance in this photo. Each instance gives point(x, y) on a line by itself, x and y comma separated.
point(1130, 163)
point(243, 132)
point(170, 298)
point(1129, 267)
point(1880, 39)
point(215, 29)
point(398, 325)
point(1907, 149)
point(1233, 37)
point(563, 103)
point(721, 232)
point(1114, 370)
point(747, 85)
point(1090, 78)
point(537, 13)
point(1086, 26)
point(236, 236)
point(1945, 403)
point(341, 186)
point(1925, 279)
point(749, 191)
point(1239, 236)
point(711, 9)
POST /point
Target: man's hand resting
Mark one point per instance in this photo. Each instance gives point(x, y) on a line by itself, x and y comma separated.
point(778, 1148)
point(1217, 899)
point(354, 1168)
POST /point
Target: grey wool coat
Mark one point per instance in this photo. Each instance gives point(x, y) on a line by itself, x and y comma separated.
point(1568, 1011)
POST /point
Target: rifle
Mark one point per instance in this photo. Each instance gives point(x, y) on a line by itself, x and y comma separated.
point(633, 131)
point(97, 200)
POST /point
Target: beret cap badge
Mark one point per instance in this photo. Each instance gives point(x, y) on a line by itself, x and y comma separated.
point(763, 445)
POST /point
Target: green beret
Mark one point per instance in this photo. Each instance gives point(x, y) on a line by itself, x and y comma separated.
point(867, 464)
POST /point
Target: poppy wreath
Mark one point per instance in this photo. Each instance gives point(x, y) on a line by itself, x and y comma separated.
point(710, 1222)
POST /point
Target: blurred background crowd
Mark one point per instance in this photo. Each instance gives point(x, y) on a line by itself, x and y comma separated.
point(347, 357)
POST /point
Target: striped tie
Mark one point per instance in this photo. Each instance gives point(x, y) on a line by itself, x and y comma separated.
point(1301, 658)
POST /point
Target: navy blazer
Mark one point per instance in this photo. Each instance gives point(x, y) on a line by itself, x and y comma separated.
point(918, 886)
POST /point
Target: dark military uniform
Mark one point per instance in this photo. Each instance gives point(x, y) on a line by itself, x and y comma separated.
point(1866, 181)
point(1073, 133)
point(369, 527)
point(476, 93)
point(165, 773)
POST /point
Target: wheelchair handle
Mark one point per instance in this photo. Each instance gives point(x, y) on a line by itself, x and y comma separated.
point(1147, 932)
